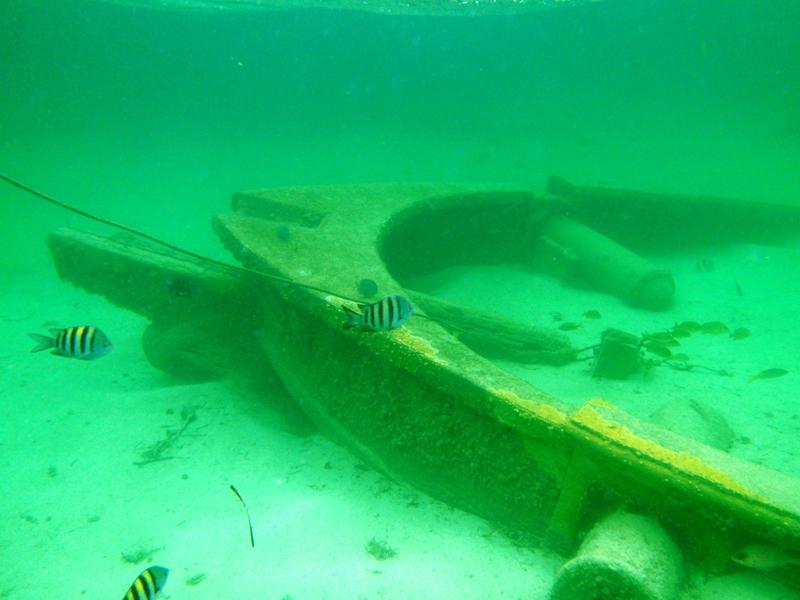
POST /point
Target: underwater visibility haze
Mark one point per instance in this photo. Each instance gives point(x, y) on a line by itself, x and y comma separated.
point(510, 309)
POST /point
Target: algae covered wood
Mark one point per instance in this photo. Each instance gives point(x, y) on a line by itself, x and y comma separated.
point(188, 301)
point(648, 220)
point(604, 264)
point(518, 228)
point(495, 337)
point(416, 402)
point(618, 453)
point(707, 498)
point(154, 282)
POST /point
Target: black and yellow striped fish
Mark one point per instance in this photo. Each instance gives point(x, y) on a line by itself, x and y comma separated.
point(148, 584)
point(387, 313)
point(82, 341)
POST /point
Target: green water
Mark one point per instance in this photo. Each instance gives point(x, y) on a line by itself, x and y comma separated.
point(153, 118)
point(127, 107)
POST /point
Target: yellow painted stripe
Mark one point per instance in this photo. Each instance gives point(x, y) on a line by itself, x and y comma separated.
point(601, 429)
point(532, 408)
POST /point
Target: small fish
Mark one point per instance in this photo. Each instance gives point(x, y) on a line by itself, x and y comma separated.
point(665, 338)
point(148, 584)
point(658, 349)
point(762, 557)
point(714, 328)
point(769, 374)
point(592, 314)
point(740, 333)
point(556, 316)
point(681, 333)
point(569, 326)
point(690, 326)
point(387, 313)
point(82, 341)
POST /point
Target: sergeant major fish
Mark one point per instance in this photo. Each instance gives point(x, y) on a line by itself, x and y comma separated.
point(82, 341)
point(147, 584)
point(387, 313)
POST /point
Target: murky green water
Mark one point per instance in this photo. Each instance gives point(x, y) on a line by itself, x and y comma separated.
point(153, 116)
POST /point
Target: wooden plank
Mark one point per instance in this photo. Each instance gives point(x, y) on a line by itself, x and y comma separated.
point(647, 220)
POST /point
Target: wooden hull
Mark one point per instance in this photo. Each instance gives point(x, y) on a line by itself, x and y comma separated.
point(426, 409)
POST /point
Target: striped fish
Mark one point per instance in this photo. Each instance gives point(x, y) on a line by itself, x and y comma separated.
point(148, 584)
point(82, 341)
point(387, 313)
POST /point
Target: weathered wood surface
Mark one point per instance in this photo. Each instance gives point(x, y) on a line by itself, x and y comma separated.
point(419, 404)
point(698, 490)
point(495, 337)
point(154, 282)
point(648, 220)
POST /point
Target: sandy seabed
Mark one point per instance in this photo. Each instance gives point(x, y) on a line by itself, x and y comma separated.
point(79, 518)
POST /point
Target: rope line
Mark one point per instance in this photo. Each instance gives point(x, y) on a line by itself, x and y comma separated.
point(163, 243)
